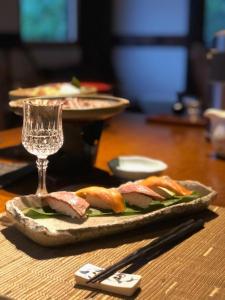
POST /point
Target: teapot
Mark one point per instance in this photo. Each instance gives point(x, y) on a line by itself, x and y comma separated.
point(217, 129)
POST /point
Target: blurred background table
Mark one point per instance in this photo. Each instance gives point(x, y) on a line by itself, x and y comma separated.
point(184, 148)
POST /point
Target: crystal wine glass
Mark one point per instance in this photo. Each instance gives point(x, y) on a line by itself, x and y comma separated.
point(42, 133)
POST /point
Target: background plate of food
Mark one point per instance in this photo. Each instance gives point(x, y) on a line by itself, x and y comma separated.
point(82, 107)
point(83, 121)
point(52, 89)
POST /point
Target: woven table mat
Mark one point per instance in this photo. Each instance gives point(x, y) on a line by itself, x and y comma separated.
point(193, 269)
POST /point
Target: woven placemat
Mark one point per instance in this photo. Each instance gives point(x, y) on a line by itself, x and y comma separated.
point(194, 269)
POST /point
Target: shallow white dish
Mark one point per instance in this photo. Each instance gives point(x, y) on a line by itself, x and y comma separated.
point(136, 167)
point(65, 230)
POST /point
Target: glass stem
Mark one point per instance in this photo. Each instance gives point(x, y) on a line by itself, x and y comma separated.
point(42, 164)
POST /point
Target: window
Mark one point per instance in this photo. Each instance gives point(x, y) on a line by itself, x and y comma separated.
point(151, 59)
point(48, 21)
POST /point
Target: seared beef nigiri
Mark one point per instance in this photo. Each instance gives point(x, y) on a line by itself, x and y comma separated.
point(138, 195)
point(67, 203)
point(101, 197)
point(155, 182)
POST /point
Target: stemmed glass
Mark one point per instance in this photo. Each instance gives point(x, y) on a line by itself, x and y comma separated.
point(42, 133)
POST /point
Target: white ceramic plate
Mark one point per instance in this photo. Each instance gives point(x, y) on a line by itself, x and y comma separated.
point(136, 167)
point(65, 230)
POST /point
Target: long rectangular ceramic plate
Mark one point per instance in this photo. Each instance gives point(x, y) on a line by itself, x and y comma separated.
point(65, 230)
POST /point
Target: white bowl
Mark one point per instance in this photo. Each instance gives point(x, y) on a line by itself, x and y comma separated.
point(136, 167)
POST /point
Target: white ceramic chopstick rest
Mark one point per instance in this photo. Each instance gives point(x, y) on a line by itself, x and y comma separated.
point(119, 283)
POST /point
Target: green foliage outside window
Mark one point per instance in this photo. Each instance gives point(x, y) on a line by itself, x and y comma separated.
point(214, 19)
point(43, 20)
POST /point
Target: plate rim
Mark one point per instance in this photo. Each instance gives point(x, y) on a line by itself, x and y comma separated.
point(82, 114)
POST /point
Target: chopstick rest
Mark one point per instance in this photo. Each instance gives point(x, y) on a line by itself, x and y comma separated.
point(119, 283)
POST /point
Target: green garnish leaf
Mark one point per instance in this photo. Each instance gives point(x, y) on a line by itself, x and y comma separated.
point(152, 206)
point(48, 212)
point(94, 212)
point(180, 199)
point(129, 211)
point(40, 212)
point(75, 82)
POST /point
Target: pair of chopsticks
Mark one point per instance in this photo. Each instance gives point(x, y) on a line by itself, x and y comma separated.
point(153, 249)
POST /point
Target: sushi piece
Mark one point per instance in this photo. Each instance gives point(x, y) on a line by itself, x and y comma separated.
point(169, 185)
point(67, 203)
point(138, 195)
point(101, 197)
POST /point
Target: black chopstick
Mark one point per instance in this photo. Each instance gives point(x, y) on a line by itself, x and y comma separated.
point(152, 248)
point(140, 250)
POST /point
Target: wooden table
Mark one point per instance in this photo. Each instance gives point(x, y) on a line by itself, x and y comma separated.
point(192, 270)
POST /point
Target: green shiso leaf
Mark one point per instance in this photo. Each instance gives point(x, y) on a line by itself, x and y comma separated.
point(47, 212)
point(129, 211)
point(180, 199)
point(154, 205)
point(75, 82)
point(41, 212)
point(94, 212)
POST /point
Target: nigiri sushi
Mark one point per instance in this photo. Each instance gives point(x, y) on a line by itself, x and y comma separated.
point(101, 197)
point(67, 203)
point(158, 182)
point(138, 195)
